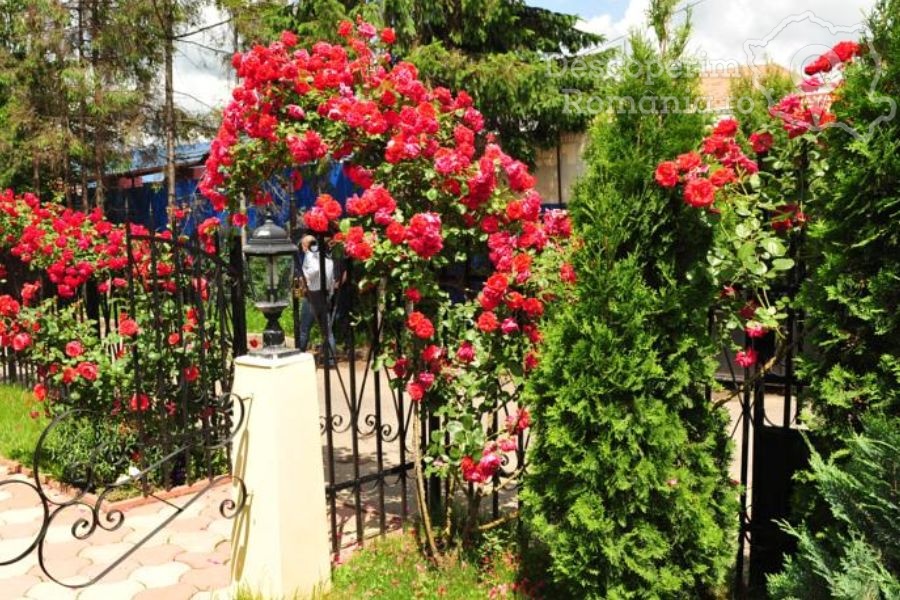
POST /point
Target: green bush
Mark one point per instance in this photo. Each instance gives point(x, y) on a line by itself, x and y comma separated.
point(853, 294)
point(848, 536)
point(627, 484)
point(858, 554)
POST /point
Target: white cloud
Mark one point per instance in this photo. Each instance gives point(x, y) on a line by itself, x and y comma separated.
point(721, 27)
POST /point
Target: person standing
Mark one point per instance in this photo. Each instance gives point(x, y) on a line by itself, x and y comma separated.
point(315, 304)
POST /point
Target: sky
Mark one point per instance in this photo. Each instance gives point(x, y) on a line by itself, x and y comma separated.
point(726, 33)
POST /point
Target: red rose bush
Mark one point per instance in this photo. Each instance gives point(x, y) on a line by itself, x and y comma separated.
point(433, 189)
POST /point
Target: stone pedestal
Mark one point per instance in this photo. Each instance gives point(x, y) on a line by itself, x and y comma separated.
point(280, 540)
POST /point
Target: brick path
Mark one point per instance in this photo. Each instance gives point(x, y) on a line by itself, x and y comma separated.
point(188, 559)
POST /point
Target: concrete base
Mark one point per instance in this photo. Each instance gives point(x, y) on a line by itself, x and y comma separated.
point(280, 540)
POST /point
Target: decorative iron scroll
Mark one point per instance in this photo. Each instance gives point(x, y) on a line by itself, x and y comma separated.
point(211, 434)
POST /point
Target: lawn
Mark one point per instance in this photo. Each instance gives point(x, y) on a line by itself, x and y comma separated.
point(19, 432)
point(393, 568)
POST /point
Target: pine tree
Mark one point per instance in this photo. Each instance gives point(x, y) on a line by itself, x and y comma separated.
point(627, 485)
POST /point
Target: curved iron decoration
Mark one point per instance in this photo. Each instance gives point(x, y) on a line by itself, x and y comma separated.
point(229, 406)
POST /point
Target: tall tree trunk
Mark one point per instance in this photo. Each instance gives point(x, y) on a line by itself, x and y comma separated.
point(82, 112)
point(99, 124)
point(168, 30)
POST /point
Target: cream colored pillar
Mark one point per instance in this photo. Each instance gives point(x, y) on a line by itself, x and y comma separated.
point(280, 540)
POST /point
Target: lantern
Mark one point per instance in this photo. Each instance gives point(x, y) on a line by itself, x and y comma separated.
point(269, 254)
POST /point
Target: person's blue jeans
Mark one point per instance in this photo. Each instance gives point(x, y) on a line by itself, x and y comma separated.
point(315, 308)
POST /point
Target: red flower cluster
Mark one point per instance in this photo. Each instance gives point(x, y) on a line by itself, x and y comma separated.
point(722, 149)
point(800, 114)
point(420, 325)
point(326, 211)
point(842, 52)
point(423, 236)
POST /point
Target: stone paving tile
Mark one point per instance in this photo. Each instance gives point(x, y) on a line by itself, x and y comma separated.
point(120, 572)
point(152, 571)
point(47, 590)
point(15, 587)
point(179, 591)
point(64, 570)
point(160, 575)
point(194, 541)
point(203, 560)
point(213, 578)
point(156, 554)
point(111, 591)
point(106, 553)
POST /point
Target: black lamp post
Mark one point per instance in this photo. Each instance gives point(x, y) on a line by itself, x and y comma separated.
point(270, 268)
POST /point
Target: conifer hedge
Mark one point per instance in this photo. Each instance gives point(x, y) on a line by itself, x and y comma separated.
point(628, 485)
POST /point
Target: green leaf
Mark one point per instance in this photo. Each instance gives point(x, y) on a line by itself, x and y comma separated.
point(773, 246)
point(783, 264)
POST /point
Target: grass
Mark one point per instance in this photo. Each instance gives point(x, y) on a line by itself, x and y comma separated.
point(256, 322)
point(392, 568)
point(19, 432)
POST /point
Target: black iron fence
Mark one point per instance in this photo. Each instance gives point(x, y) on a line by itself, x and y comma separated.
point(156, 409)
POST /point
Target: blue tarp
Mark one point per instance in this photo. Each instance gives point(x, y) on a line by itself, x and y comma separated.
point(146, 205)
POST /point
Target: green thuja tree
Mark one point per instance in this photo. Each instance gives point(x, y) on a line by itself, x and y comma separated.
point(627, 485)
point(853, 294)
point(848, 533)
point(856, 555)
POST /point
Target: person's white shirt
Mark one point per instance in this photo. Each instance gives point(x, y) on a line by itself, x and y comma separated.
point(312, 274)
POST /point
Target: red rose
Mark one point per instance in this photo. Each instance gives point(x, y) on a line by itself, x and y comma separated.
point(415, 390)
point(396, 233)
point(74, 349)
point(191, 373)
point(754, 329)
point(509, 326)
point(239, 219)
point(533, 307)
point(174, 338)
point(40, 392)
point(413, 295)
point(388, 36)
point(688, 161)
point(699, 193)
point(316, 220)
point(726, 128)
point(567, 273)
point(846, 50)
point(139, 402)
point(746, 358)
point(420, 325)
point(722, 177)
point(21, 341)
point(466, 353)
point(487, 322)
point(497, 282)
point(424, 234)
point(761, 141)
point(531, 361)
point(88, 370)
point(400, 367)
point(667, 174)
point(128, 327)
point(432, 353)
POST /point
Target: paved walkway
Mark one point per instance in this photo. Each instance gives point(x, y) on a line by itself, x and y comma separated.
point(188, 559)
